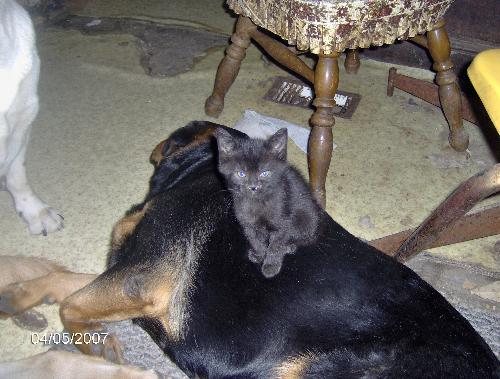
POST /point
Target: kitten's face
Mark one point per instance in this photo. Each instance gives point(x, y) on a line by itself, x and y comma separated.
point(252, 177)
point(251, 167)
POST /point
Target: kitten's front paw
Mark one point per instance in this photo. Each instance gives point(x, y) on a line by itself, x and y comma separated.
point(270, 270)
point(254, 256)
point(271, 266)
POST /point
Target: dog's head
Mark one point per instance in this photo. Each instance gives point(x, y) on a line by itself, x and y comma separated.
point(183, 152)
point(183, 140)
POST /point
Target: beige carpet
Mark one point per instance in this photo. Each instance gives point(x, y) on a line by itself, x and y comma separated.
point(101, 116)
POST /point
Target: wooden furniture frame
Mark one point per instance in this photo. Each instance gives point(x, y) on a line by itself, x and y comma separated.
point(450, 223)
point(325, 79)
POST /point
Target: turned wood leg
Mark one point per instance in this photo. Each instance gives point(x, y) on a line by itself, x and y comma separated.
point(352, 63)
point(438, 44)
point(230, 65)
point(326, 80)
point(282, 54)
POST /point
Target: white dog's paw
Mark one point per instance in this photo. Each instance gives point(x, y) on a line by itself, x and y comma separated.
point(46, 220)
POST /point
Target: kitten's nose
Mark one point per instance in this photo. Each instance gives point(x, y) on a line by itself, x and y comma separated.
point(253, 188)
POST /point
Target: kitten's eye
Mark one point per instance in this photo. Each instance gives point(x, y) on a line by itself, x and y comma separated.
point(265, 173)
point(241, 174)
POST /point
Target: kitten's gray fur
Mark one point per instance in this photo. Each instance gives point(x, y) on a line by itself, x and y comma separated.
point(272, 201)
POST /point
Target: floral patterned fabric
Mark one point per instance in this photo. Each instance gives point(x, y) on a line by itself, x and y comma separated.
point(324, 26)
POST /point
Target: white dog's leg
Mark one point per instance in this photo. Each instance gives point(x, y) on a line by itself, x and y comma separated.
point(41, 219)
point(19, 70)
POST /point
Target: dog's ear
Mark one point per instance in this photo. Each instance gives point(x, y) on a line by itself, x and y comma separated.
point(164, 149)
point(278, 143)
point(157, 155)
point(225, 143)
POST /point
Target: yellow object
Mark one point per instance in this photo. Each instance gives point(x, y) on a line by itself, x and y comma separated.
point(484, 73)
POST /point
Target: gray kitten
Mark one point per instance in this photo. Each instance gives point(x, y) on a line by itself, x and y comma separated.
point(271, 199)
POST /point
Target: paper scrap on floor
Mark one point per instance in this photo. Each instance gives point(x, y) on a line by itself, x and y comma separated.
point(256, 125)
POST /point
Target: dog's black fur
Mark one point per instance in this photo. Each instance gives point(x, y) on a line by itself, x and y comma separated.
point(347, 309)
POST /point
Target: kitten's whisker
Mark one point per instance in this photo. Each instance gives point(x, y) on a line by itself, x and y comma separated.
point(226, 190)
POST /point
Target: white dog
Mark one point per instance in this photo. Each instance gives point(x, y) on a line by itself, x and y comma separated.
point(19, 70)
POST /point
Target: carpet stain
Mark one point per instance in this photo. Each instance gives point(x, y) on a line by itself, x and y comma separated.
point(166, 50)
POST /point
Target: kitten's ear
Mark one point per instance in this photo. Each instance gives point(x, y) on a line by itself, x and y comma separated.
point(225, 142)
point(277, 143)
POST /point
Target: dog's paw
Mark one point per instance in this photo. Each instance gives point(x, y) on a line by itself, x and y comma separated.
point(46, 220)
point(110, 349)
point(6, 307)
point(11, 299)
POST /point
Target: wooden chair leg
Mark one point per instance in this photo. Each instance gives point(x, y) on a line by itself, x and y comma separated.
point(352, 63)
point(438, 44)
point(282, 54)
point(230, 65)
point(326, 80)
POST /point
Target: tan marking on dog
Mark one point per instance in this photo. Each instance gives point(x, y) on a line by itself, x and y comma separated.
point(295, 367)
point(105, 299)
point(205, 135)
point(176, 279)
point(126, 226)
point(163, 295)
point(157, 154)
point(161, 292)
point(159, 305)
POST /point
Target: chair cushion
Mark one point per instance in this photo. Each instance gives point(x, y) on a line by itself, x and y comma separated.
point(324, 26)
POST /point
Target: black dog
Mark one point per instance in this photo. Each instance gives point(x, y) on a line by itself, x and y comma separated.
point(338, 309)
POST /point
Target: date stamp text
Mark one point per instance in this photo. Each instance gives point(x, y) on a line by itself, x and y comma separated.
point(66, 338)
